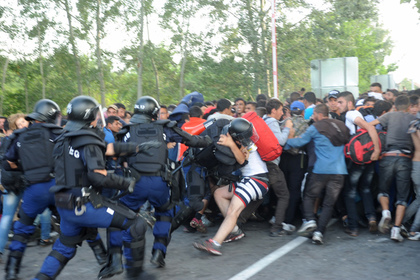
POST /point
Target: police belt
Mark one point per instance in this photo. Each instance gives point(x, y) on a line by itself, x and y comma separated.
point(68, 200)
point(165, 173)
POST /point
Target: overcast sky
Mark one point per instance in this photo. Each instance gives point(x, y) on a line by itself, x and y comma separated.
point(402, 20)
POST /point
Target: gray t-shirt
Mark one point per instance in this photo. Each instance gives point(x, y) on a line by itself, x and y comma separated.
point(396, 124)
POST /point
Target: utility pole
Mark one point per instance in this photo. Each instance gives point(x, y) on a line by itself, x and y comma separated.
point(274, 46)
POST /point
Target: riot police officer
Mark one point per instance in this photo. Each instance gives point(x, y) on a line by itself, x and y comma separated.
point(153, 172)
point(31, 152)
point(79, 159)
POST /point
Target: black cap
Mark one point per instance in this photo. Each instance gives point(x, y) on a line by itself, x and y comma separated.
point(334, 93)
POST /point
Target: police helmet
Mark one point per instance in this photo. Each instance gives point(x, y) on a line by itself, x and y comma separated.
point(241, 130)
point(147, 105)
point(45, 110)
point(81, 111)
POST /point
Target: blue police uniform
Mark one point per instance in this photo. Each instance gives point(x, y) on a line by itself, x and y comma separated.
point(157, 191)
point(32, 148)
point(76, 218)
point(79, 162)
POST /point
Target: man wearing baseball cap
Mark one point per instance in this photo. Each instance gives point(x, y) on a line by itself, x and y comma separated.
point(332, 104)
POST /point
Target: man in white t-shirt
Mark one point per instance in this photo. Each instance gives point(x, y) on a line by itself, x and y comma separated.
point(360, 176)
point(253, 185)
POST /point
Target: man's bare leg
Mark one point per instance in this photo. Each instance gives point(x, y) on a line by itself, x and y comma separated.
point(235, 208)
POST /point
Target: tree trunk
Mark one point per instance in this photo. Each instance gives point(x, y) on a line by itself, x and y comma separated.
point(253, 40)
point(41, 66)
point(3, 82)
point(184, 50)
point(156, 79)
point(153, 63)
point(26, 83)
point(74, 49)
point(181, 78)
point(266, 84)
point(141, 54)
point(99, 52)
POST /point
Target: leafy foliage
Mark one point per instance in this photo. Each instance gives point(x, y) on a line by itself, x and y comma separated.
point(229, 57)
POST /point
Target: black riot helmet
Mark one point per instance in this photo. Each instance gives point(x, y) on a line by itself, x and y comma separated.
point(147, 105)
point(45, 110)
point(243, 131)
point(81, 111)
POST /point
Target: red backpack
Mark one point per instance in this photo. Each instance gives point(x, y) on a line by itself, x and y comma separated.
point(269, 147)
point(360, 147)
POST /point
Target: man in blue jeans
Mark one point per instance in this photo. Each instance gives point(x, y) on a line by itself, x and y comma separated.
point(395, 163)
point(329, 137)
point(359, 175)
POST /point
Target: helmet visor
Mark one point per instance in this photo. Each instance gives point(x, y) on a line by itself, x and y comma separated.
point(100, 118)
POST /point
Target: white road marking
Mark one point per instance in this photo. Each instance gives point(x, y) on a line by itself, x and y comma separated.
point(267, 260)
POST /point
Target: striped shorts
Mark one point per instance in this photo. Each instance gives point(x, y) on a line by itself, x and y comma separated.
point(249, 189)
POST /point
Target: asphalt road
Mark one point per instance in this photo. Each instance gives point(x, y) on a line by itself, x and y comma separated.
point(259, 256)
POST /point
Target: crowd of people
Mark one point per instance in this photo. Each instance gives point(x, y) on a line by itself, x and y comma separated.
point(189, 164)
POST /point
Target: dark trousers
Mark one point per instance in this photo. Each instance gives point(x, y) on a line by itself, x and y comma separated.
point(294, 168)
point(332, 183)
point(399, 168)
point(278, 185)
point(360, 177)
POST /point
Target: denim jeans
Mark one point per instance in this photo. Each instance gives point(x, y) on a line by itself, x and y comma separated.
point(414, 207)
point(10, 204)
point(333, 184)
point(399, 168)
point(45, 220)
point(360, 176)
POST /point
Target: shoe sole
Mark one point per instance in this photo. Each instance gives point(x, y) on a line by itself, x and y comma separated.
point(240, 236)
point(200, 247)
point(414, 238)
point(278, 234)
point(384, 225)
point(111, 274)
point(157, 264)
point(397, 240)
point(307, 232)
point(317, 242)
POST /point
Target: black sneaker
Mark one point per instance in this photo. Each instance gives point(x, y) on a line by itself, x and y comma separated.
point(44, 243)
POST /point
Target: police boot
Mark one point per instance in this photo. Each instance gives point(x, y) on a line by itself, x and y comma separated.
point(185, 213)
point(99, 251)
point(158, 258)
point(13, 266)
point(113, 266)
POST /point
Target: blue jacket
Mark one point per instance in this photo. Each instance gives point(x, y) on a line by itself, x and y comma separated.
point(329, 158)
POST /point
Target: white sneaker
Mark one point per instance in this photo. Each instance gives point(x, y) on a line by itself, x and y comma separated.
point(396, 234)
point(317, 238)
point(385, 223)
point(206, 221)
point(272, 220)
point(414, 237)
point(307, 228)
point(288, 227)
